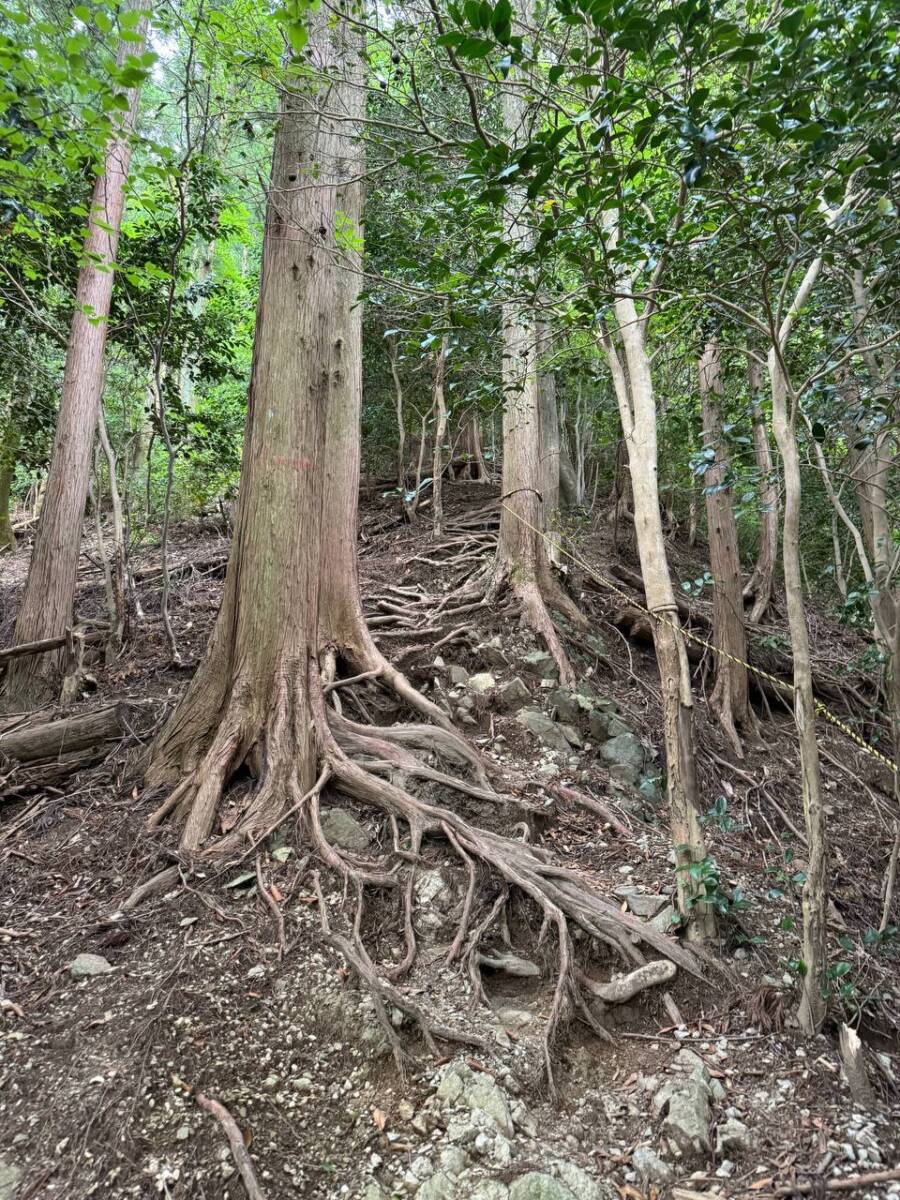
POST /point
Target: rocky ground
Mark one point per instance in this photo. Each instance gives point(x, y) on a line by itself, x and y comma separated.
point(113, 1025)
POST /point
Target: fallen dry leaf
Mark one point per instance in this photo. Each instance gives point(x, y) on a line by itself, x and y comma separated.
point(379, 1119)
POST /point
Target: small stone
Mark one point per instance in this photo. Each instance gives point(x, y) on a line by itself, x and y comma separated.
point(624, 751)
point(651, 1168)
point(578, 1181)
point(537, 1186)
point(256, 972)
point(86, 966)
point(491, 652)
point(645, 906)
point(482, 683)
point(513, 693)
point(510, 964)
point(183, 1133)
point(10, 1178)
point(732, 1137)
point(438, 1187)
point(343, 830)
point(514, 1018)
point(459, 676)
point(453, 1161)
point(540, 663)
point(405, 1110)
point(543, 728)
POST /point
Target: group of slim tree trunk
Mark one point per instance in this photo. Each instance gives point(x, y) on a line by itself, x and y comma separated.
point(291, 607)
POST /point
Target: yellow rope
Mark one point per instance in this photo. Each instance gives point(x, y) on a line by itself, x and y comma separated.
point(791, 688)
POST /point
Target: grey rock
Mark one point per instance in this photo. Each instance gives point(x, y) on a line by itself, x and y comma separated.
point(514, 1018)
point(489, 1189)
point(513, 693)
point(85, 966)
point(482, 683)
point(545, 730)
point(473, 1090)
point(344, 831)
point(438, 1187)
point(540, 663)
point(645, 906)
point(459, 676)
point(453, 1161)
point(685, 1104)
point(578, 1181)
point(651, 1168)
point(10, 1178)
point(571, 705)
point(624, 750)
point(373, 1191)
point(435, 897)
point(491, 652)
point(666, 920)
point(510, 964)
point(537, 1186)
point(732, 1137)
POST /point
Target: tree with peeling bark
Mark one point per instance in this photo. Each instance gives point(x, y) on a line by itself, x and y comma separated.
point(46, 607)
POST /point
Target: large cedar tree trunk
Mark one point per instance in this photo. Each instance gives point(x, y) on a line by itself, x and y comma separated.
point(730, 697)
point(46, 608)
point(291, 606)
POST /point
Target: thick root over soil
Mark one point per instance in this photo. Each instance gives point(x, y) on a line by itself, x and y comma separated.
point(306, 745)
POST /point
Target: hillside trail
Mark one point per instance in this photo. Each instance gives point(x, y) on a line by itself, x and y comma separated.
point(114, 1025)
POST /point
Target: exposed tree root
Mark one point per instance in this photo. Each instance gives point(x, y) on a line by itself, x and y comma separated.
point(303, 736)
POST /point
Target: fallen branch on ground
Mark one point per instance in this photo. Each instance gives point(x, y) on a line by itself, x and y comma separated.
point(236, 1143)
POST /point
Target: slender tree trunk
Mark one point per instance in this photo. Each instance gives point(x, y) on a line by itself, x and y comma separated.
point(8, 451)
point(730, 697)
point(637, 408)
point(398, 406)
point(522, 557)
point(759, 586)
point(475, 467)
point(550, 445)
point(120, 611)
point(784, 422)
point(440, 433)
point(46, 609)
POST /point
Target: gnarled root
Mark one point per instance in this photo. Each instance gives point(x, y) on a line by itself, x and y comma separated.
point(304, 746)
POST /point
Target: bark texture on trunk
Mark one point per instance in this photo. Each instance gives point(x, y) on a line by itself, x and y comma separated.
point(759, 585)
point(523, 560)
point(440, 434)
point(784, 423)
point(637, 409)
point(471, 449)
point(550, 444)
point(8, 450)
point(291, 605)
point(730, 697)
point(46, 608)
point(398, 407)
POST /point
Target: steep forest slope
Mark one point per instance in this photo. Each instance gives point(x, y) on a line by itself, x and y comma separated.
point(116, 1023)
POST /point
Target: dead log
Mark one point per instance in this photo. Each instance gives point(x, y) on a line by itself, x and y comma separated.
point(52, 739)
point(46, 644)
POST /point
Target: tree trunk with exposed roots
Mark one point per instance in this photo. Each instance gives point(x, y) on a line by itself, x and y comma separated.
point(730, 697)
point(46, 608)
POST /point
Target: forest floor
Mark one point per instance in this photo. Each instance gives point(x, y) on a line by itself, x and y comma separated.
point(709, 1085)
